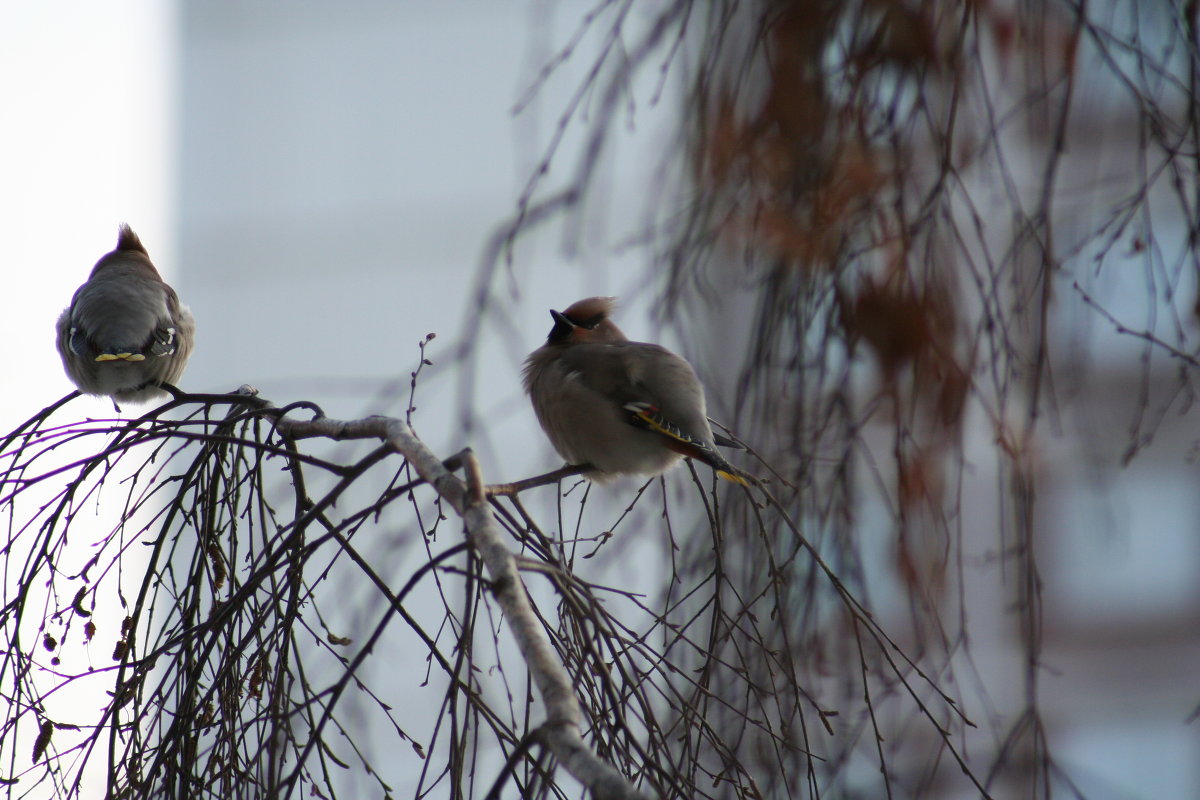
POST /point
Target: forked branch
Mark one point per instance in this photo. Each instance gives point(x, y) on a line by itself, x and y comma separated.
point(562, 730)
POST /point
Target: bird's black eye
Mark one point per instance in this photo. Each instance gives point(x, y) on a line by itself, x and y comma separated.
point(591, 322)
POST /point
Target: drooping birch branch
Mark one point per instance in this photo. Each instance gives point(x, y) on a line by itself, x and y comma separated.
point(561, 731)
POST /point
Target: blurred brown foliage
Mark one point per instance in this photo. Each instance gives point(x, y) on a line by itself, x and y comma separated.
point(890, 217)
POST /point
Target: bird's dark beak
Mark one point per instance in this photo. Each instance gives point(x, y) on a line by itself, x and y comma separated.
point(562, 327)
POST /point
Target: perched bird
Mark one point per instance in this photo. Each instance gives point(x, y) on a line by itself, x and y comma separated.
point(623, 407)
point(125, 330)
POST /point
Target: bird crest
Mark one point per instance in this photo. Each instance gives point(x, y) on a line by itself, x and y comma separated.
point(590, 310)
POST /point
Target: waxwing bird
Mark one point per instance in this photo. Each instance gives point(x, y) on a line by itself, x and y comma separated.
point(125, 330)
point(623, 407)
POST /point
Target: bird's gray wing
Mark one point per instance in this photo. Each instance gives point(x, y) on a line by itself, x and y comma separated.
point(649, 382)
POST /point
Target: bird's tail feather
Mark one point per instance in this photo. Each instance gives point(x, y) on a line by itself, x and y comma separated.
point(646, 416)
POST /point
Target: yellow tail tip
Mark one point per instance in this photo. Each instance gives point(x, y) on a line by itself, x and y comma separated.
point(733, 477)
